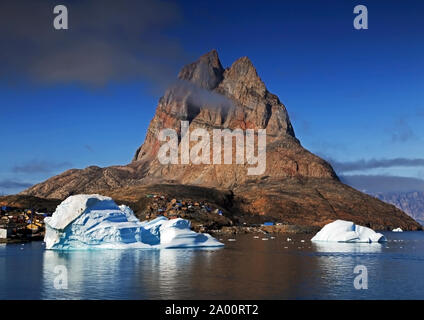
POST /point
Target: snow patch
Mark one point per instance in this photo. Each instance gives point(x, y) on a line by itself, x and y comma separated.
point(96, 222)
point(347, 231)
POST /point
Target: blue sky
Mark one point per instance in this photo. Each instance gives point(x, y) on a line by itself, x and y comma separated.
point(86, 97)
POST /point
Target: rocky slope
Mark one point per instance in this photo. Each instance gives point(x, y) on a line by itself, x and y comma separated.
point(296, 187)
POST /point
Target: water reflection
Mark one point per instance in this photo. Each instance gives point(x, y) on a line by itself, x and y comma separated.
point(91, 274)
point(344, 247)
point(100, 274)
point(336, 262)
point(166, 272)
point(245, 269)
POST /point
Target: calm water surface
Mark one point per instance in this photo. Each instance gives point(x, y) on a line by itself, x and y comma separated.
point(245, 269)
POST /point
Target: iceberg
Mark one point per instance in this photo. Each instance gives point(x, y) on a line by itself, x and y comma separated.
point(397, 230)
point(347, 231)
point(97, 222)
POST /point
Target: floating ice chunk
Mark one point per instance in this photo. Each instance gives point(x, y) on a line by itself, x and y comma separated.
point(397, 230)
point(176, 233)
point(347, 231)
point(94, 221)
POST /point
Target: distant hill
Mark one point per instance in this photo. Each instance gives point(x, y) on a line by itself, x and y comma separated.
point(410, 202)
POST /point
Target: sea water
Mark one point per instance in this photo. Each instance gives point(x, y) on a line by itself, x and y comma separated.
point(247, 268)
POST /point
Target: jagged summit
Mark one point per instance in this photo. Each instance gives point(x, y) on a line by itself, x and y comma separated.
point(243, 72)
point(206, 72)
point(212, 97)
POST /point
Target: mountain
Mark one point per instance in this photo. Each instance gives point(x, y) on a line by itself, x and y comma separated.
point(410, 202)
point(296, 187)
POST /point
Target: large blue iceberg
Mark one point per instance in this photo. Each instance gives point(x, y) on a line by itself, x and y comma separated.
point(97, 222)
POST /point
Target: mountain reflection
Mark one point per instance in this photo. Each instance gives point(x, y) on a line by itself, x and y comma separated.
point(246, 269)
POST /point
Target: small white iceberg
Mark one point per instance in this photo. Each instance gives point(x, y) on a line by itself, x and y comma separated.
point(347, 231)
point(397, 230)
point(96, 222)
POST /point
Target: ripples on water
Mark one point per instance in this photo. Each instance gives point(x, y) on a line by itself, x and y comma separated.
point(245, 269)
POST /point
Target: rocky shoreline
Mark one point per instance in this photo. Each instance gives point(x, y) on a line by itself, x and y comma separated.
point(278, 229)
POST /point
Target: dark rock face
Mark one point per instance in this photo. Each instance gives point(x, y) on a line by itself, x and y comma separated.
point(297, 187)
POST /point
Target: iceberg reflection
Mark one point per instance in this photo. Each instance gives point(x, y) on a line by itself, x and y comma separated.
point(347, 247)
point(105, 274)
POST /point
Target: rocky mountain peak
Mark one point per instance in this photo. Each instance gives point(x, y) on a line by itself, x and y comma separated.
point(209, 96)
point(206, 72)
point(242, 81)
point(243, 70)
point(297, 187)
